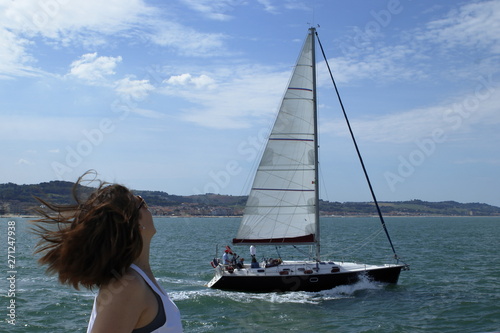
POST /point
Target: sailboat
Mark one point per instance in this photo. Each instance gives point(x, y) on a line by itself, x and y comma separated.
point(283, 204)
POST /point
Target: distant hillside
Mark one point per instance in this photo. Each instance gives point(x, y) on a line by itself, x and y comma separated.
point(19, 199)
point(410, 208)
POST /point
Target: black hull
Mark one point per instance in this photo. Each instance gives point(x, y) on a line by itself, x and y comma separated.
point(305, 282)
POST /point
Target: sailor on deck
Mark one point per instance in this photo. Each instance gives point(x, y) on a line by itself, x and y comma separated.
point(225, 258)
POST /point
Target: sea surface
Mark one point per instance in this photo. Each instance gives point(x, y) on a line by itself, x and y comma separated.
point(453, 284)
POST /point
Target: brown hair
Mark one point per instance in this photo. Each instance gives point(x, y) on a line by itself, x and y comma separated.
point(90, 242)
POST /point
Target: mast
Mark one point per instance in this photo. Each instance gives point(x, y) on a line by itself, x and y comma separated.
point(316, 144)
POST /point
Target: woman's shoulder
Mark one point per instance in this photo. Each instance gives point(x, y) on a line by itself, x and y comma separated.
point(121, 304)
point(123, 288)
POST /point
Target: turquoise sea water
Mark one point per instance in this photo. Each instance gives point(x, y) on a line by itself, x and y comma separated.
point(453, 284)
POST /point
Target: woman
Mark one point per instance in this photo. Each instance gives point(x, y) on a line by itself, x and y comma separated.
point(104, 241)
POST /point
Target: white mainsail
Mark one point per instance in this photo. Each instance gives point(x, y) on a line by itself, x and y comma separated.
point(282, 205)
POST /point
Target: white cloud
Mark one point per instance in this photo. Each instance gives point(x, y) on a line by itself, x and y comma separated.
point(429, 51)
point(186, 40)
point(215, 10)
point(268, 6)
point(148, 113)
point(468, 113)
point(471, 25)
point(23, 161)
point(14, 60)
point(388, 63)
point(220, 10)
point(61, 20)
point(296, 5)
point(182, 79)
point(92, 68)
point(242, 93)
point(89, 24)
point(201, 82)
point(134, 89)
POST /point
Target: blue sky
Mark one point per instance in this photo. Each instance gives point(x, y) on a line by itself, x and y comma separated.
point(177, 96)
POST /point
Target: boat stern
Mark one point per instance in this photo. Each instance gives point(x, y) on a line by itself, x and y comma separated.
point(219, 272)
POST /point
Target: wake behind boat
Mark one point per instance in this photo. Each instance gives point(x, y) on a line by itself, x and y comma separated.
point(283, 205)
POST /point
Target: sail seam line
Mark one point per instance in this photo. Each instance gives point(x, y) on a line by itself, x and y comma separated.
point(280, 189)
point(306, 89)
point(286, 139)
point(269, 169)
point(293, 133)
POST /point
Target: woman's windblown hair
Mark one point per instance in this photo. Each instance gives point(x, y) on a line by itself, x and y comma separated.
point(92, 241)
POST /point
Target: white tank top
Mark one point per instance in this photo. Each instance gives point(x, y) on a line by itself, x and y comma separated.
point(173, 323)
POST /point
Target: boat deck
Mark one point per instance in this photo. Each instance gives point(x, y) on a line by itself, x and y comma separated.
point(296, 268)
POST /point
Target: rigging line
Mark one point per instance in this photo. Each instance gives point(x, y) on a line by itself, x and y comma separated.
point(350, 250)
point(358, 152)
point(306, 254)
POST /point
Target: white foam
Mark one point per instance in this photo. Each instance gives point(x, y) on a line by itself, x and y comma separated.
point(189, 295)
point(348, 291)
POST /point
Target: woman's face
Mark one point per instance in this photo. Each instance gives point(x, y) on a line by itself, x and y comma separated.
point(146, 224)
